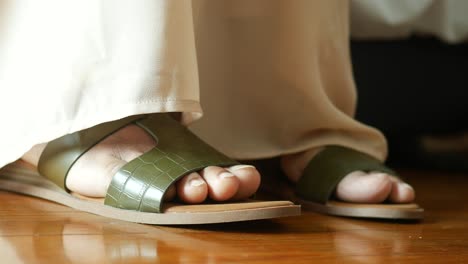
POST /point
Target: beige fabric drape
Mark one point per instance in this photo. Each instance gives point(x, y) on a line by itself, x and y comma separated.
point(274, 75)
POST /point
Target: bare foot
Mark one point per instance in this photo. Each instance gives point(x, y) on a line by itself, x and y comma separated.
point(356, 187)
point(92, 173)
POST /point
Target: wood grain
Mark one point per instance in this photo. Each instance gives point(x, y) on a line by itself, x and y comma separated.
point(36, 231)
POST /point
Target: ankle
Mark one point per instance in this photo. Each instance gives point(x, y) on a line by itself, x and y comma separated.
point(293, 165)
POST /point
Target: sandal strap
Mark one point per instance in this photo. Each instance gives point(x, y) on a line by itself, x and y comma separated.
point(329, 167)
point(60, 154)
point(141, 184)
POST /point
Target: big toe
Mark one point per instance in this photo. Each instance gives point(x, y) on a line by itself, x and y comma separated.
point(361, 187)
point(249, 180)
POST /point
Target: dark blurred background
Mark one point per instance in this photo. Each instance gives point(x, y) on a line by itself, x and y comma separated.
point(416, 92)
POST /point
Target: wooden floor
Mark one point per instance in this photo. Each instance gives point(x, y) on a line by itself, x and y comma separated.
point(36, 231)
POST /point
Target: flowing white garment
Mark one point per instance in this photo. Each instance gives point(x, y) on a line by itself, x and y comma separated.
point(275, 75)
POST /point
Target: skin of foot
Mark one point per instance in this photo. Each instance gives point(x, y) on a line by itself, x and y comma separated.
point(356, 187)
point(92, 173)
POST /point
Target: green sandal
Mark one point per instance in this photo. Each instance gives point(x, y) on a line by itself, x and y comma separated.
point(314, 191)
point(136, 191)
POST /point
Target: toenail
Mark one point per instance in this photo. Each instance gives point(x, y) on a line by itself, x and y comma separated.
point(380, 175)
point(226, 175)
point(240, 167)
point(407, 186)
point(196, 182)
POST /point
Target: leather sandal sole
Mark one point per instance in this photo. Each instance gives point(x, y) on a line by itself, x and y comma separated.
point(18, 178)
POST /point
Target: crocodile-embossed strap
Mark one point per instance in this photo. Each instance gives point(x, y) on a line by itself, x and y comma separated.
point(329, 167)
point(60, 154)
point(140, 185)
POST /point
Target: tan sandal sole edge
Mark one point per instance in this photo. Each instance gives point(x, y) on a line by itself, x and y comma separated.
point(378, 211)
point(410, 211)
point(21, 180)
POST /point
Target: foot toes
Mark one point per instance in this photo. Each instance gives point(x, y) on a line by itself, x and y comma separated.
point(192, 188)
point(249, 180)
point(361, 187)
point(222, 184)
point(356, 187)
point(401, 192)
point(92, 173)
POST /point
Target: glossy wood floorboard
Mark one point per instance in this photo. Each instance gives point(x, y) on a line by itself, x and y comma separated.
point(36, 231)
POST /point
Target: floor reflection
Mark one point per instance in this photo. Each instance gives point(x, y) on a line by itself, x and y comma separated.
point(372, 242)
point(35, 231)
point(72, 241)
point(60, 235)
point(80, 242)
